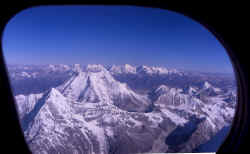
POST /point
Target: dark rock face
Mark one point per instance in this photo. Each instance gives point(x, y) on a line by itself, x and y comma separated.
point(182, 134)
point(214, 143)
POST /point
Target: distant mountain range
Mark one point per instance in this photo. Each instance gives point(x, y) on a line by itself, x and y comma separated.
point(28, 79)
point(120, 109)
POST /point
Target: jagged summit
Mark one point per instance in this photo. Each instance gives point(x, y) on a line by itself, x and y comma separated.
point(58, 67)
point(156, 70)
point(95, 68)
point(208, 90)
point(128, 69)
point(175, 98)
point(142, 69)
point(163, 89)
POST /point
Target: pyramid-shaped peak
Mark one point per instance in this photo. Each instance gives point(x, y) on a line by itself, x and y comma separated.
point(54, 93)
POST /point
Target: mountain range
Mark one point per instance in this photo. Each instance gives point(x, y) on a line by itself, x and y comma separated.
point(121, 109)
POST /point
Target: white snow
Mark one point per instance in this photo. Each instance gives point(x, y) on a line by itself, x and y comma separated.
point(128, 69)
point(98, 132)
point(95, 68)
point(206, 85)
point(155, 118)
point(109, 131)
point(174, 118)
point(97, 84)
point(25, 74)
point(25, 104)
point(77, 68)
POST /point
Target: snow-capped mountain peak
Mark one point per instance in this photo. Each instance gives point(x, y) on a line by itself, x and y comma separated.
point(58, 67)
point(95, 68)
point(207, 85)
point(25, 74)
point(156, 70)
point(58, 101)
point(52, 67)
point(77, 68)
point(209, 90)
point(127, 69)
point(160, 70)
point(162, 89)
point(54, 93)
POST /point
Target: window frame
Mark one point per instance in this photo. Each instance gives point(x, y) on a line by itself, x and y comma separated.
point(239, 134)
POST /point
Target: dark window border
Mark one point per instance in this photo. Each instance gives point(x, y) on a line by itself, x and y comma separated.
point(225, 21)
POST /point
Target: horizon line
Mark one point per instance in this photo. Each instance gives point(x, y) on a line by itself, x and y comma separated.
point(107, 65)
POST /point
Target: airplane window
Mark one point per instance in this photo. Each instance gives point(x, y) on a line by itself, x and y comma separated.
point(118, 79)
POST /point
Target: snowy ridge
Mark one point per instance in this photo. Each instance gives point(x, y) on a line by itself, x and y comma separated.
point(123, 69)
point(217, 112)
point(26, 103)
point(143, 69)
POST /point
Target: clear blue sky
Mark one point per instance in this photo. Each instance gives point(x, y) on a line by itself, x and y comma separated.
point(112, 35)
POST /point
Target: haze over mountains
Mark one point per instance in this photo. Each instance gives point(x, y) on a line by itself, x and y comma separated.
point(120, 109)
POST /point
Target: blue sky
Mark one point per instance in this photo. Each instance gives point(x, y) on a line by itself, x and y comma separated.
point(112, 35)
